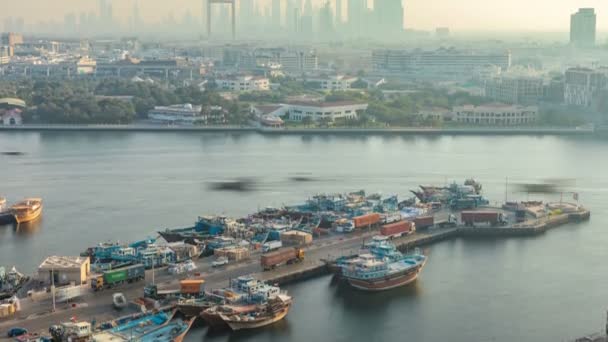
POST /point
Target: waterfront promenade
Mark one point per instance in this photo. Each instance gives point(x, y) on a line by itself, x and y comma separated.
point(313, 131)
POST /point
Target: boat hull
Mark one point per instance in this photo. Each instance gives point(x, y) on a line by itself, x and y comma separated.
point(7, 218)
point(213, 319)
point(387, 283)
point(258, 323)
point(192, 310)
point(27, 210)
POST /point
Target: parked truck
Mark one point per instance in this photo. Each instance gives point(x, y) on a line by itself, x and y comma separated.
point(119, 276)
point(367, 220)
point(281, 257)
point(424, 222)
point(398, 229)
point(492, 218)
point(271, 246)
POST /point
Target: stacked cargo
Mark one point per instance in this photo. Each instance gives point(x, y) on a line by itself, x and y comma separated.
point(192, 286)
point(398, 229)
point(296, 238)
point(423, 222)
point(184, 251)
point(367, 220)
point(7, 310)
point(232, 253)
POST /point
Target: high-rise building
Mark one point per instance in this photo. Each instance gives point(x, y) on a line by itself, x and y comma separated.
point(583, 27)
point(339, 14)
point(276, 13)
point(389, 17)
point(326, 21)
point(583, 86)
point(357, 13)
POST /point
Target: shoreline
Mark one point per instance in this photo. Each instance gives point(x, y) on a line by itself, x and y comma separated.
point(304, 131)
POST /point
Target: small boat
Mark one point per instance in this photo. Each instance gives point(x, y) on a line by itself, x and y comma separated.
point(170, 331)
point(119, 301)
point(126, 323)
point(6, 216)
point(205, 227)
point(213, 315)
point(27, 210)
point(192, 307)
point(273, 311)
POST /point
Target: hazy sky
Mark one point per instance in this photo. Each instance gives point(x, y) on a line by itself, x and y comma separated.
point(486, 15)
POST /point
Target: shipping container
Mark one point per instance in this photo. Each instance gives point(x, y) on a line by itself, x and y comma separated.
point(296, 238)
point(367, 220)
point(233, 253)
point(192, 286)
point(486, 217)
point(118, 276)
point(280, 257)
point(271, 246)
point(397, 229)
point(423, 222)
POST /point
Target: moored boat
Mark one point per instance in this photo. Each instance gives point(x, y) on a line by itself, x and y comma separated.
point(271, 312)
point(369, 272)
point(27, 210)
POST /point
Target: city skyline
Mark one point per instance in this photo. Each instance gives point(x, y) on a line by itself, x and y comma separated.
point(465, 15)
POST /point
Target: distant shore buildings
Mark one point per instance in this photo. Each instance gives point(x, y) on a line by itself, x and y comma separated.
point(187, 114)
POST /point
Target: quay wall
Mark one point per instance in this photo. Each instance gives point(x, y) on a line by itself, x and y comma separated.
point(310, 269)
point(312, 131)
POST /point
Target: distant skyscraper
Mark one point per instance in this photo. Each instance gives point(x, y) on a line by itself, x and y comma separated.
point(357, 13)
point(582, 27)
point(389, 17)
point(326, 21)
point(339, 12)
point(276, 13)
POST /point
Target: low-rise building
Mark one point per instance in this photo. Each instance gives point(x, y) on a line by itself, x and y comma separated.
point(582, 85)
point(11, 110)
point(515, 89)
point(243, 83)
point(495, 115)
point(333, 82)
point(63, 270)
point(297, 111)
point(178, 114)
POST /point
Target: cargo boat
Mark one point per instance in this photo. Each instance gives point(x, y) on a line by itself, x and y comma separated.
point(275, 310)
point(369, 272)
point(243, 295)
point(167, 331)
point(27, 210)
point(204, 228)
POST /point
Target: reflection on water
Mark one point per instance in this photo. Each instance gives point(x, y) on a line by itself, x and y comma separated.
point(30, 228)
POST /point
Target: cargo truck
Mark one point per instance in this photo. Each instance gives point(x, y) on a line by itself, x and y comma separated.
point(280, 257)
point(271, 246)
point(367, 220)
point(398, 229)
point(492, 218)
point(111, 278)
point(424, 222)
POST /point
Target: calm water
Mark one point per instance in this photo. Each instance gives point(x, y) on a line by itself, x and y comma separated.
point(108, 186)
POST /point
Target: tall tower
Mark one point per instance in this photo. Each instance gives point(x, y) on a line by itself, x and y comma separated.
point(339, 12)
point(276, 13)
point(583, 28)
point(232, 4)
point(357, 11)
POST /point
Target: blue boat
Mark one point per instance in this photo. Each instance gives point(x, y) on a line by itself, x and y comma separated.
point(383, 269)
point(204, 228)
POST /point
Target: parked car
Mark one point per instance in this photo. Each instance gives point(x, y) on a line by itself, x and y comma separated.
point(221, 261)
point(14, 332)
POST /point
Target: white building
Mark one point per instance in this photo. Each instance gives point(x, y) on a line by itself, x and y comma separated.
point(297, 111)
point(441, 64)
point(515, 89)
point(63, 270)
point(299, 62)
point(177, 114)
point(582, 85)
point(333, 82)
point(495, 115)
point(243, 83)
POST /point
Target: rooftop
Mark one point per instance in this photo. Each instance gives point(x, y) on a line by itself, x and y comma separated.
point(63, 262)
point(325, 104)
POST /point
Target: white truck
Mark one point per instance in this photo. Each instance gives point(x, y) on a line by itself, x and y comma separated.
point(271, 246)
